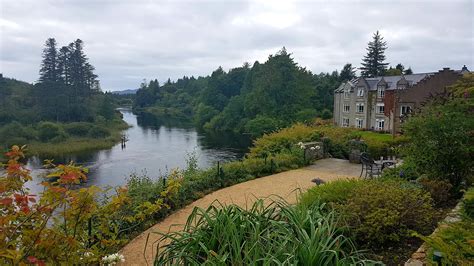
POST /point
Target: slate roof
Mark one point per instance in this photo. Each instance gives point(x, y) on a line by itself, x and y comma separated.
point(392, 80)
point(347, 83)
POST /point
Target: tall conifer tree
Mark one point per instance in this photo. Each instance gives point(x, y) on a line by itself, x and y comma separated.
point(49, 65)
point(373, 64)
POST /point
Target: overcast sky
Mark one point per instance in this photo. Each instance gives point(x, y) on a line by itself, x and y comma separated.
point(128, 41)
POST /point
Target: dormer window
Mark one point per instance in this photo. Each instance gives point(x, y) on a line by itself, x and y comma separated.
point(381, 91)
point(360, 92)
point(347, 94)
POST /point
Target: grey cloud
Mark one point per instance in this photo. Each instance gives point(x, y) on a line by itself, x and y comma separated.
point(130, 40)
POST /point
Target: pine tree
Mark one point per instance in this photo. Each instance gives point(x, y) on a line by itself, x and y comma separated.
point(347, 73)
point(64, 65)
point(80, 71)
point(408, 71)
point(49, 65)
point(373, 63)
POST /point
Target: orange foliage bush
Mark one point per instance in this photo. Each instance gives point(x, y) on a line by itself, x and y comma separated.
point(64, 224)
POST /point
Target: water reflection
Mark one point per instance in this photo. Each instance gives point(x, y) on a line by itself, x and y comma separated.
point(154, 146)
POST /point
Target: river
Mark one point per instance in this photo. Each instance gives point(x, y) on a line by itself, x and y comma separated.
point(153, 149)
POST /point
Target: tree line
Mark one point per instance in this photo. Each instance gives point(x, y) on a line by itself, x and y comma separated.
point(260, 98)
point(248, 99)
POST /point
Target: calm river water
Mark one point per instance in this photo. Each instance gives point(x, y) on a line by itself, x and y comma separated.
point(153, 148)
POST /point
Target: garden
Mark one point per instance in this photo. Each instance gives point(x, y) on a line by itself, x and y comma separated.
point(344, 222)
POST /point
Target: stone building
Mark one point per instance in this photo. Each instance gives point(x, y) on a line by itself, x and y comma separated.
point(382, 103)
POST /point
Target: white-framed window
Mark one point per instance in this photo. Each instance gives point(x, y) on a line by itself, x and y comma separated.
point(381, 92)
point(345, 122)
point(360, 92)
point(380, 108)
point(359, 122)
point(405, 109)
point(401, 87)
point(347, 94)
point(379, 124)
point(359, 107)
point(346, 108)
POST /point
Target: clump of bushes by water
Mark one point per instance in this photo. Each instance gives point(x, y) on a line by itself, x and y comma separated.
point(269, 232)
point(16, 133)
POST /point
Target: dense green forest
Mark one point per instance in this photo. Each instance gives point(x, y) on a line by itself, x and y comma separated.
point(64, 104)
point(248, 99)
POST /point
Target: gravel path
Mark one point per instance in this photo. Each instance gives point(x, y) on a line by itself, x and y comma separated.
point(285, 184)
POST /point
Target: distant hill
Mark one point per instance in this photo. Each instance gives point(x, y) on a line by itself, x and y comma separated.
point(126, 92)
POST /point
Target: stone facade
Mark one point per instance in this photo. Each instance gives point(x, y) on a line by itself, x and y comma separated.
point(382, 103)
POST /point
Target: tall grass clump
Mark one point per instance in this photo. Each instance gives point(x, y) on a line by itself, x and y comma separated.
point(269, 232)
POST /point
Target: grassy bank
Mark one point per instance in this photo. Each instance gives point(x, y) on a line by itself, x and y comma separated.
point(62, 139)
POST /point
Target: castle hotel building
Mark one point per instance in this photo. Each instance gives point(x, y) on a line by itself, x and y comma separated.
point(382, 103)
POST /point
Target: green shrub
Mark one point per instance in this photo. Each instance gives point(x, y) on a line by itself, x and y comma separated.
point(237, 170)
point(78, 129)
point(256, 166)
point(468, 203)
point(382, 213)
point(289, 160)
point(405, 171)
point(274, 233)
point(49, 131)
point(142, 188)
point(336, 149)
point(282, 140)
point(262, 125)
point(438, 189)
point(337, 141)
point(454, 241)
point(98, 132)
point(15, 133)
point(441, 141)
point(337, 191)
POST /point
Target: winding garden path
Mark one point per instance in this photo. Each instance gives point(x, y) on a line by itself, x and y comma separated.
point(285, 185)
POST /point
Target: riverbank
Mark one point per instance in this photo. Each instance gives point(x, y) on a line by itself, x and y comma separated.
point(111, 135)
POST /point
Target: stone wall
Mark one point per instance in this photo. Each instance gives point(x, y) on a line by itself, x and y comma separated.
point(419, 257)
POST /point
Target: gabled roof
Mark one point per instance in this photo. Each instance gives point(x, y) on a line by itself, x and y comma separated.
point(392, 80)
point(346, 85)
